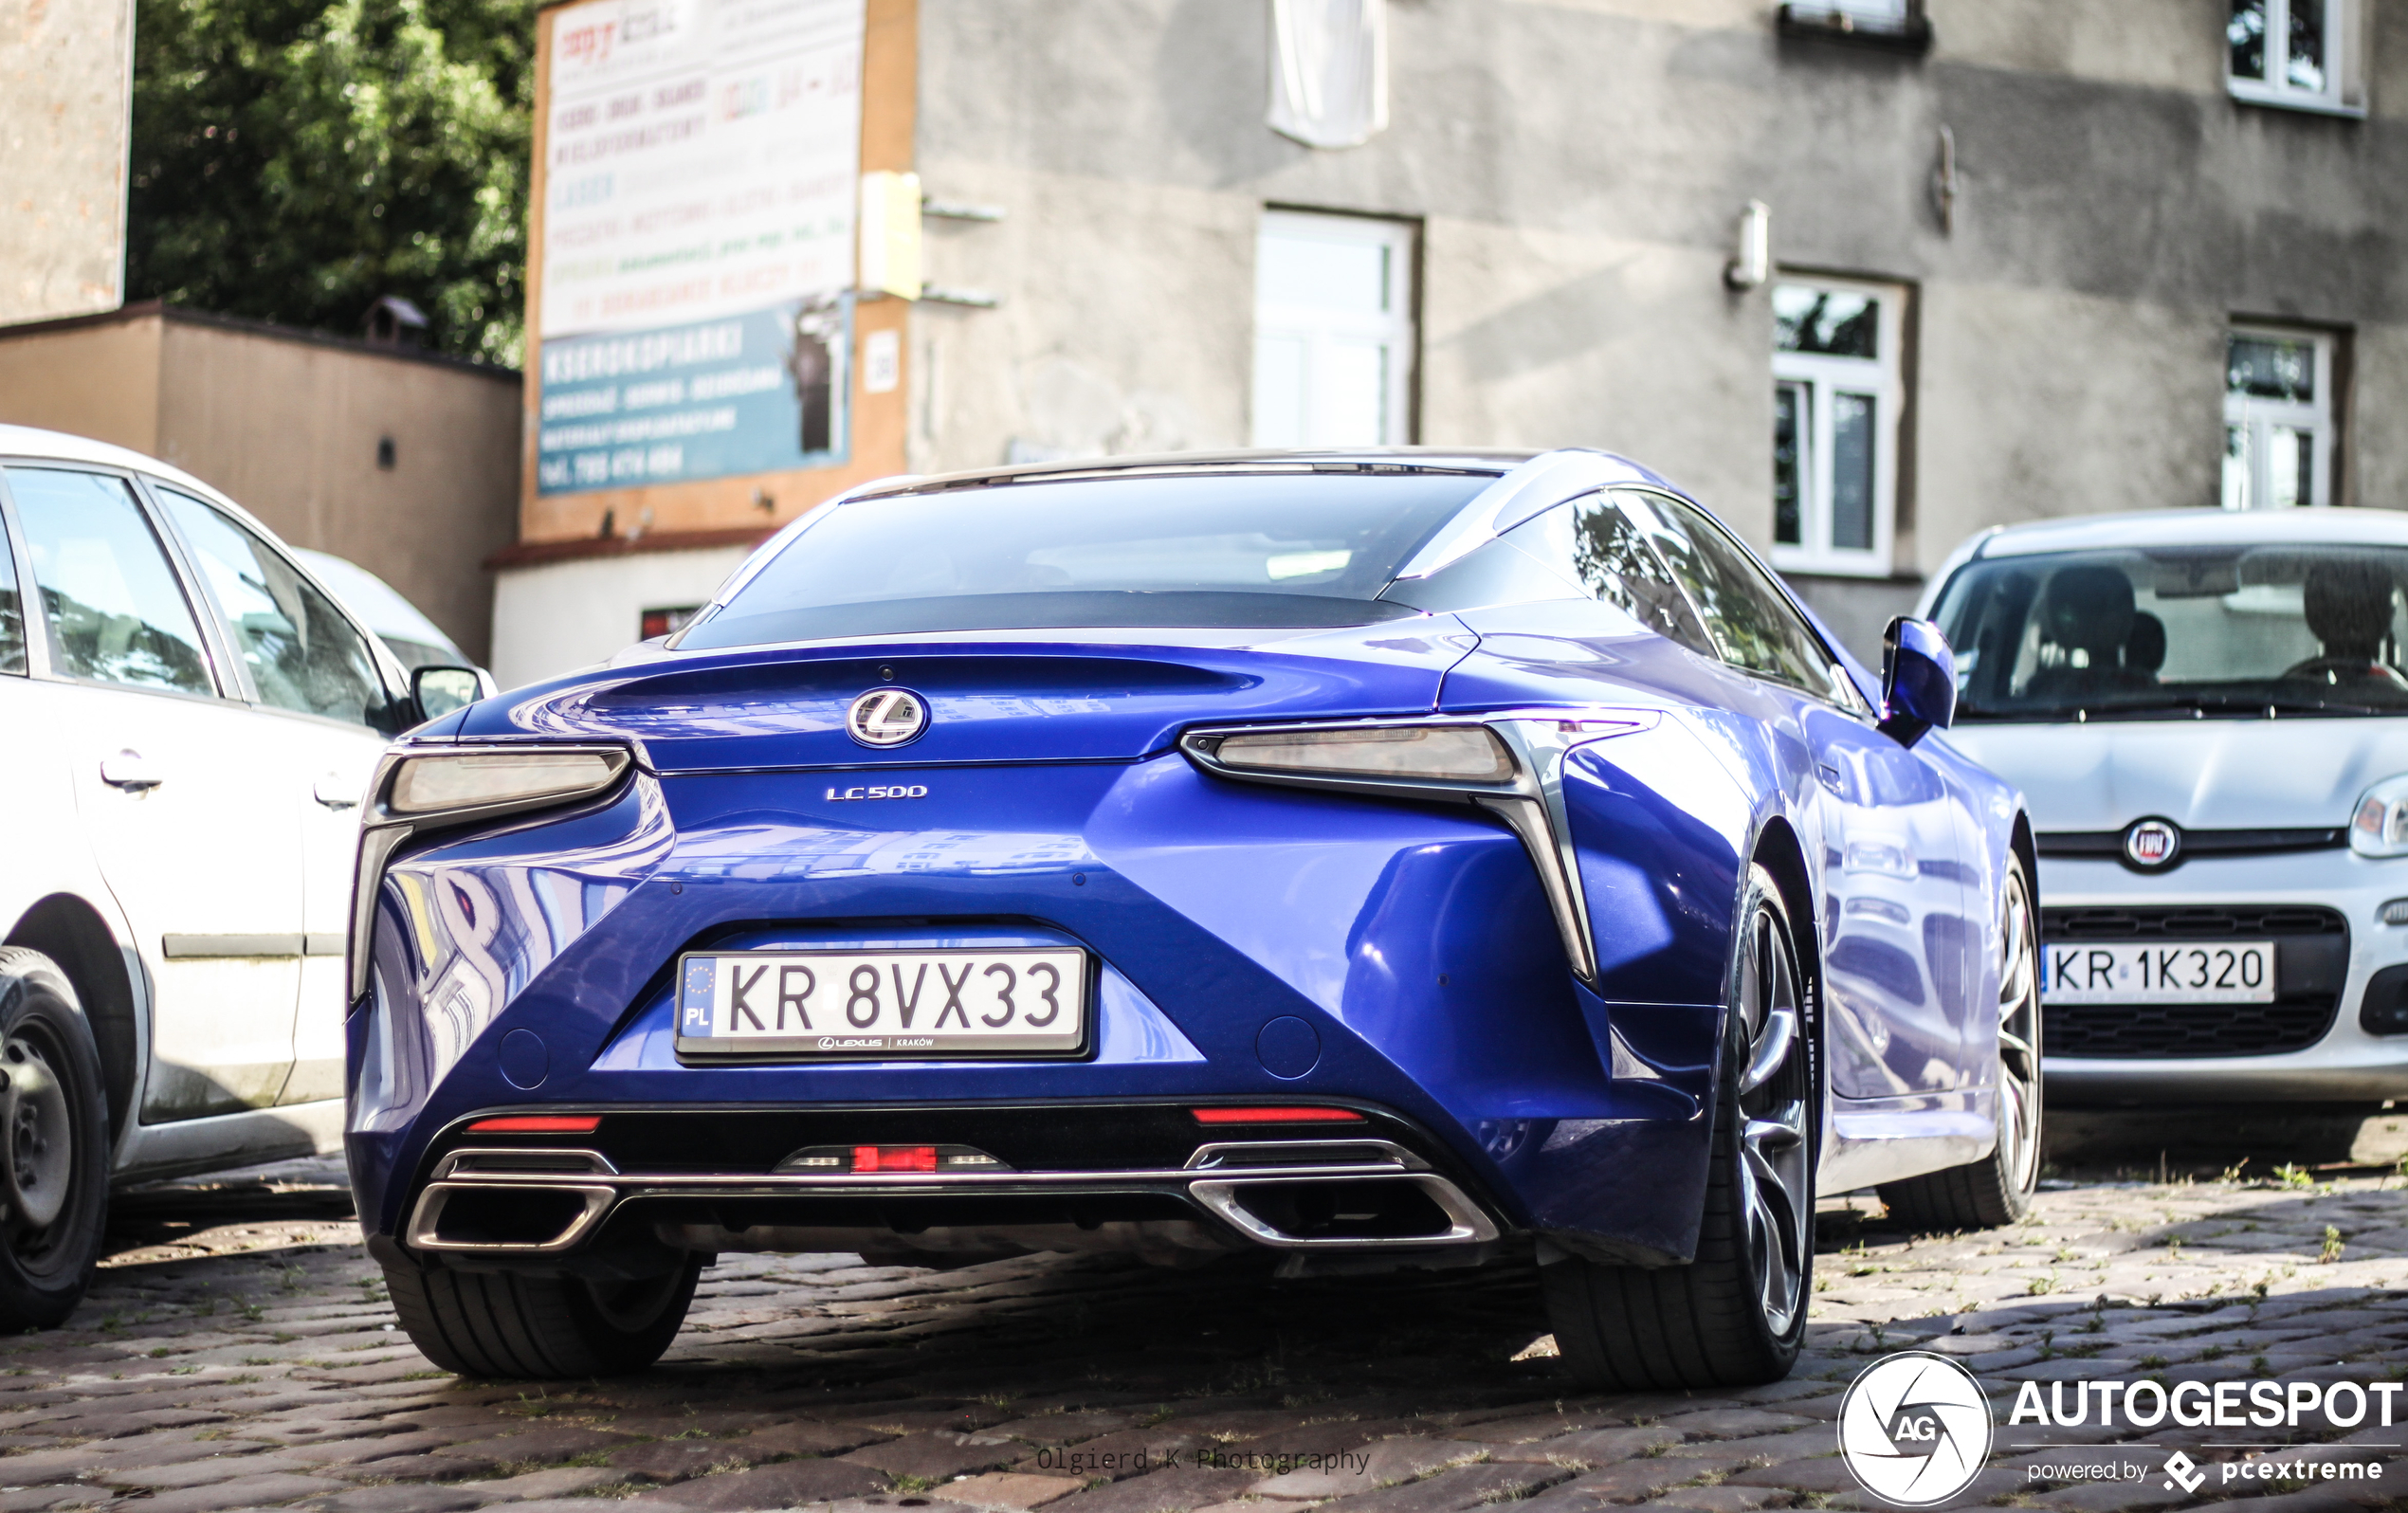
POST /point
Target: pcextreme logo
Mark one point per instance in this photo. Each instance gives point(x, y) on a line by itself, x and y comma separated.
point(1914, 1429)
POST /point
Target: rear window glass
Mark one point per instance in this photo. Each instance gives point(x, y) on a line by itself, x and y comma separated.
point(1239, 551)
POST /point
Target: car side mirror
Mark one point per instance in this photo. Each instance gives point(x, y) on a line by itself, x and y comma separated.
point(440, 690)
point(1918, 681)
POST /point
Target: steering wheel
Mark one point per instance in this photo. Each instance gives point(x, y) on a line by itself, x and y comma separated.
point(2348, 669)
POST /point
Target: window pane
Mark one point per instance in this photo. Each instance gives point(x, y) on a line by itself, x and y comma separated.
point(1279, 391)
point(1615, 563)
point(2291, 462)
point(2245, 34)
point(1792, 419)
point(1852, 472)
point(302, 652)
point(1750, 621)
point(1829, 322)
point(1323, 274)
point(2270, 368)
point(11, 612)
point(2304, 68)
point(114, 611)
point(2236, 467)
point(1350, 396)
point(1245, 550)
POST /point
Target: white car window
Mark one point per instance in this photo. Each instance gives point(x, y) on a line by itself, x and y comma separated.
point(302, 652)
point(114, 608)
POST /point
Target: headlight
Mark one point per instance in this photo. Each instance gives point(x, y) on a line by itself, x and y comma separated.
point(1461, 754)
point(442, 783)
point(2379, 826)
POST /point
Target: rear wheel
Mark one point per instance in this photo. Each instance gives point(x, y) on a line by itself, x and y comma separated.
point(54, 1144)
point(1735, 1315)
point(499, 1323)
point(1997, 1189)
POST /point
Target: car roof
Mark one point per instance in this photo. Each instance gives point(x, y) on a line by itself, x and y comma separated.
point(59, 445)
point(1353, 459)
point(2199, 527)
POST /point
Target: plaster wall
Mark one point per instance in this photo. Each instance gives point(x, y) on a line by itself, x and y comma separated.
point(66, 100)
point(1578, 168)
point(291, 429)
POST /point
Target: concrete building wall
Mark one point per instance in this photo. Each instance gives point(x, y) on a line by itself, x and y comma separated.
point(1578, 168)
point(98, 379)
point(292, 429)
point(67, 67)
point(287, 423)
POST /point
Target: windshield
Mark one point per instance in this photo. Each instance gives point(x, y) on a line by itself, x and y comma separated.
point(2180, 632)
point(1235, 549)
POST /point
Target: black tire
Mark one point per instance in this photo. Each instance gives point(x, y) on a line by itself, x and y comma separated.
point(1997, 1187)
point(54, 1144)
point(499, 1323)
point(1714, 1322)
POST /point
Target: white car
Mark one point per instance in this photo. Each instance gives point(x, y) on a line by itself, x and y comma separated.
point(188, 720)
point(2208, 713)
point(414, 640)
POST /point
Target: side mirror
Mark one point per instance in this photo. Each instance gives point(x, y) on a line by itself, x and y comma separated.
point(1918, 681)
point(441, 690)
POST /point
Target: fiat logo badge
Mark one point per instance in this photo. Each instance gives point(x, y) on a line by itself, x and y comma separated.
point(2152, 844)
point(886, 716)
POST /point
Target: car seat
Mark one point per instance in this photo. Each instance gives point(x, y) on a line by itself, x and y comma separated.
point(2088, 609)
point(2348, 604)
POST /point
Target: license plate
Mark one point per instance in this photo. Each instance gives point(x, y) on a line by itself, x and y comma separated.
point(884, 1004)
point(2195, 972)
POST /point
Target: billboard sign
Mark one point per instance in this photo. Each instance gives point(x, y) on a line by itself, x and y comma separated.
point(702, 168)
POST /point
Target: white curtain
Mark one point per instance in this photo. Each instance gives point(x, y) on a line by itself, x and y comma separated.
point(1330, 70)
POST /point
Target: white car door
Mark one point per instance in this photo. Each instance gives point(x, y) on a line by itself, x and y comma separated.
point(192, 827)
point(321, 706)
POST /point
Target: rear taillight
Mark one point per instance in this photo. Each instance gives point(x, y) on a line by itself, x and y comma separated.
point(894, 1157)
point(838, 1160)
point(539, 1125)
point(1283, 1114)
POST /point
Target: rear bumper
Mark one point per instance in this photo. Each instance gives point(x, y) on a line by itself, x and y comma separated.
point(549, 1199)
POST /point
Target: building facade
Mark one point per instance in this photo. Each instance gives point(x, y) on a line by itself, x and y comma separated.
point(1864, 277)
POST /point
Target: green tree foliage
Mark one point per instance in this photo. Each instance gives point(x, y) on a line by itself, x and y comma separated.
point(295, 159)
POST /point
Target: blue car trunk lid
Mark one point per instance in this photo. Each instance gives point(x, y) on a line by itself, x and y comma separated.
point(986, 701)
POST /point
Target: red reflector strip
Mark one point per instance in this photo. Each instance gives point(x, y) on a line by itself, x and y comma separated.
point(539, 1125)
point(1276, 1115)
point(894, 1157)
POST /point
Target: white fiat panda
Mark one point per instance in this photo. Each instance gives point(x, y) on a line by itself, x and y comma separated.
point(186, 722)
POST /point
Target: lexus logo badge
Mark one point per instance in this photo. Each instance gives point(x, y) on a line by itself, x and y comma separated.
point(2152, 844)
point(887, 717)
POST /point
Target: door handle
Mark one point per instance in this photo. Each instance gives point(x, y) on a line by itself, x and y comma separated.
point(131, 771)
point(335, 791)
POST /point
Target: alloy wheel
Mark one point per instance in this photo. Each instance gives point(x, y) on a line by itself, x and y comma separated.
point(1774, 1148)
point(2018, 1040)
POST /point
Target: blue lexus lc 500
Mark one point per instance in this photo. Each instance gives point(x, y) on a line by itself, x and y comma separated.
point(1370, 860)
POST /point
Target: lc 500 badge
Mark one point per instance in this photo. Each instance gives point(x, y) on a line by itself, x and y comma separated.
point(841, 795)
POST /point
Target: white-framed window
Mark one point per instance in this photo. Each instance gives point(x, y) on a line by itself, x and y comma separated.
point(2278, 418)
point(2298, 53)
point(1837, 399)
point(1333, 331)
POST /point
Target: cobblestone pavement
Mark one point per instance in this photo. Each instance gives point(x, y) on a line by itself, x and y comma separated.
point(238, 1352)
